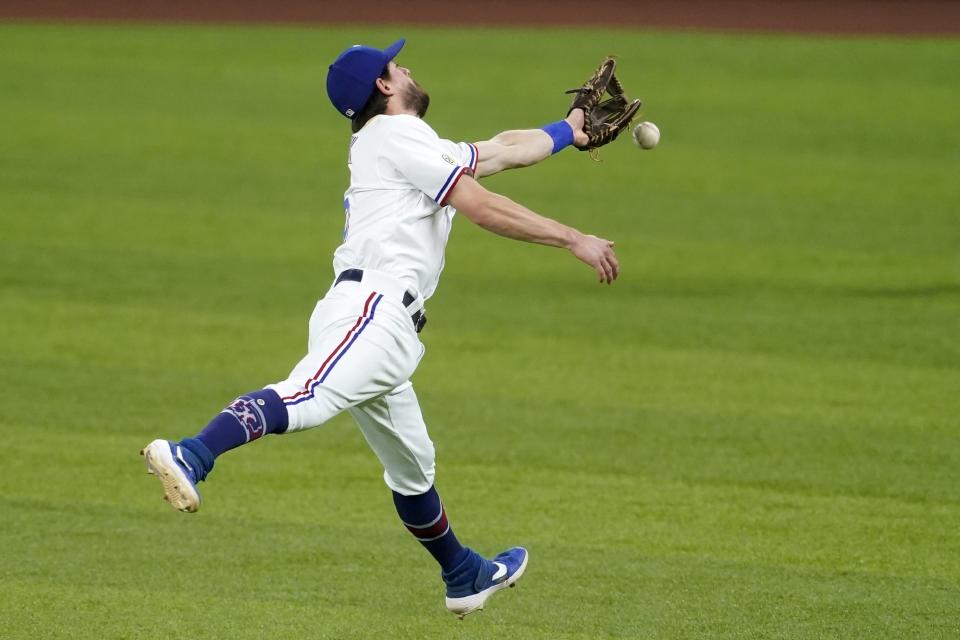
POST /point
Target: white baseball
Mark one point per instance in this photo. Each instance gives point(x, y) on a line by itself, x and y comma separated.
point(646, 135)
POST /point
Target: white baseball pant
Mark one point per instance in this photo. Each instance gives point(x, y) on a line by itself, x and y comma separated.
point(362, 350)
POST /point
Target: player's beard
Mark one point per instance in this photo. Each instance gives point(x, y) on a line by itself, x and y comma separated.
point(417, 99)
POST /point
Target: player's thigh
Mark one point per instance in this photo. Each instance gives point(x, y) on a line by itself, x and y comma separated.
point(393, 426)
point(354, 355)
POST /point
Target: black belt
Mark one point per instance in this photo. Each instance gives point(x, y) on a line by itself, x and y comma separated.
point(356, 275)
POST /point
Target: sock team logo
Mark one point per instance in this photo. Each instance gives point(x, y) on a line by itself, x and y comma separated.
point(249, 415)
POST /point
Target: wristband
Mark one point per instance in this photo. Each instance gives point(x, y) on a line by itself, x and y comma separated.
point(561, 133)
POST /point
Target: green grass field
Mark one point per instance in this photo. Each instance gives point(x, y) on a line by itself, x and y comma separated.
point(753, 434)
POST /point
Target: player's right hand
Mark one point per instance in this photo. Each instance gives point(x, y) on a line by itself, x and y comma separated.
point(598, 253)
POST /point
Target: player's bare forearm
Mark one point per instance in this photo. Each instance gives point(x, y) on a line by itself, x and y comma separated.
point(522, 147)
point(501, 215)
point(511, 150)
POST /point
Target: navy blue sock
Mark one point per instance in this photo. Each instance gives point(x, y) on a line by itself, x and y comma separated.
point(426, 519)
point(244, 420)
point(462, 578)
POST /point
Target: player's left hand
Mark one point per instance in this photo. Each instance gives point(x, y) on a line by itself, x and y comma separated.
point(575, 120)
point(604, 120)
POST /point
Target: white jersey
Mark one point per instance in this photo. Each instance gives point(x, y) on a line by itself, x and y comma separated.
point(401, 174)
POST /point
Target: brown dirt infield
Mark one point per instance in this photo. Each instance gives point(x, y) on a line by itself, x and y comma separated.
point(920, 17)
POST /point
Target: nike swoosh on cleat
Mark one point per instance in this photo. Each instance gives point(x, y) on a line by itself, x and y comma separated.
point(184, 462)
point(501, 573)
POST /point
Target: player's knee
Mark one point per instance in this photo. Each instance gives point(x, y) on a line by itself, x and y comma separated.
point(407, 484)
point(306, 410)
point(429, 475)
point(427, 460)
point(412, 479)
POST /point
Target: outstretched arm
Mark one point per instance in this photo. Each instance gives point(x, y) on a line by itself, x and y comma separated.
point(523, 147)
point(503, 216)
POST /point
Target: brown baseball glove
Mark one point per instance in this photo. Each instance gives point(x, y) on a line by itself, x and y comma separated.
point(604, 120)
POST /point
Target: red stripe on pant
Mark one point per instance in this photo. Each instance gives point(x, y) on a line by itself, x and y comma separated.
point(306, 385)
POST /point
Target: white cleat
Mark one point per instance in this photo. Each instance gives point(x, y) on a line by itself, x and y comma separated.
point(165, 460)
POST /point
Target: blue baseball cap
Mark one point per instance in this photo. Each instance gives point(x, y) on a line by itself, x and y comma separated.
point(353, 76)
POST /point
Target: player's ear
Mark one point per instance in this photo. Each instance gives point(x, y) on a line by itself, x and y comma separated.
point(384, 87)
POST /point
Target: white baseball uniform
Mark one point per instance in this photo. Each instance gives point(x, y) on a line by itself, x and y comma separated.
point(363, 346)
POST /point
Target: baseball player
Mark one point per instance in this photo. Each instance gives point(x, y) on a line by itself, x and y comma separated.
point(406, 184)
